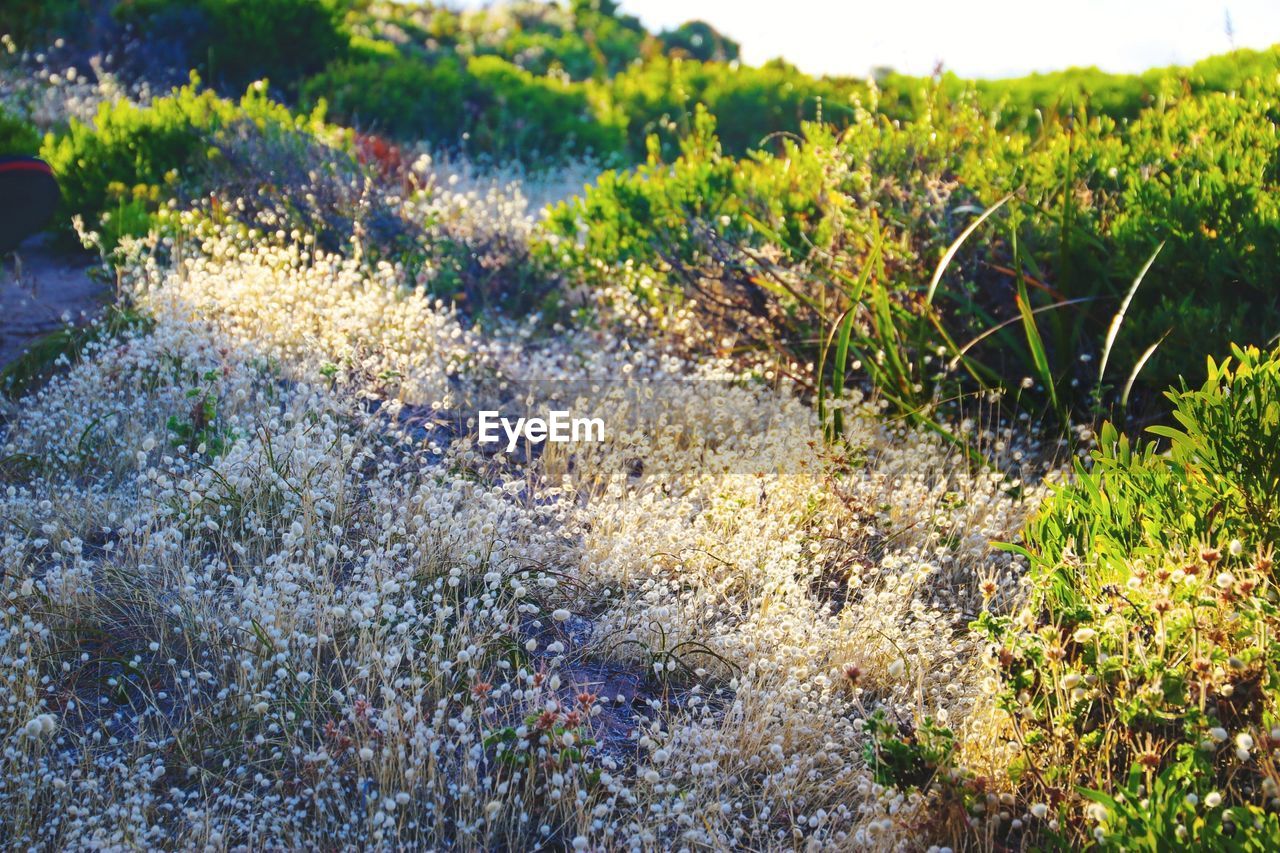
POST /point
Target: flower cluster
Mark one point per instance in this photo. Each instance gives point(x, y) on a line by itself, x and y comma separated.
point(246, 598)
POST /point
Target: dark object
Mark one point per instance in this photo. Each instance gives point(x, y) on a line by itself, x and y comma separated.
point(28, 198)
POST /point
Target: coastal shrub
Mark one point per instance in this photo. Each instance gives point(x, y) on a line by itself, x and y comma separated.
point(1028, 305)
point(32, 21)
point(1199, 175)
point(1141, 679)
point(117, 164)
point(485, 106)
point(751, 105)
point(515, 114)
point(1026, 102)
point(701, 41)
point(237, 42)
point(405, 98)
point(17, 136)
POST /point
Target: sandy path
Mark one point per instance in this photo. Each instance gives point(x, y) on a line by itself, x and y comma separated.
point(40, 290)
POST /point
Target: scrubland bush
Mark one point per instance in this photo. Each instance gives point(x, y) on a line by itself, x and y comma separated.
point(121, 163)
point(518, 115)
point(407, 99)
point(28, 21)
point(1086, 204)
point(1025, 102)
point(750, 105)
point(1141, 678)
point(486, 107)
point(701, 41)
point(518, 56)
point(17, 136)
point(237, 42)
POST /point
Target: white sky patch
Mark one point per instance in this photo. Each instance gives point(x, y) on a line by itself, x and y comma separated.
point(978, 38)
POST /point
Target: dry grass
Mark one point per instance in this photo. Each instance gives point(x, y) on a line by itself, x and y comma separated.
point(246, 604)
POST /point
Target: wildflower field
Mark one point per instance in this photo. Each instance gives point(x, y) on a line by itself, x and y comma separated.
point(935, 503)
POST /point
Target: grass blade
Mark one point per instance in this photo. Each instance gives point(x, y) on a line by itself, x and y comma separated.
point(1114, 331)
point(1034, 341)
point(955, 247)
point(846, 323)
point(962, 351)
point(1036, 344)
point(1137, 368)
point(843, 331)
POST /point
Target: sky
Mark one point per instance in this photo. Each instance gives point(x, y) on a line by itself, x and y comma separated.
point(974, 38)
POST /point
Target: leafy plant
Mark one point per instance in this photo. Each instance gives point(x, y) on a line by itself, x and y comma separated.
point(1143, 667)
point(200, 429)
point(16, 135)
point(111, 165)
point(237, 42)
point(1179, 810)
point(909, 761)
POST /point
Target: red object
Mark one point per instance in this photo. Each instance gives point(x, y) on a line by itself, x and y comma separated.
point(26, 166)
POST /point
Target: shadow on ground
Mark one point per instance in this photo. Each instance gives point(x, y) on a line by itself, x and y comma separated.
point(41, 290)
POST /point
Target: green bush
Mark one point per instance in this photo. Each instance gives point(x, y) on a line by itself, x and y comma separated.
point(701, 41)
point(116, 164)
point(237, 42)
point(584, 40)
point(487, 107)
point(31, 23)
point(404, 98)
point(1144, 667)
point(1219, 479)
point(1034, 295)
point(666, 220)
point(750, 104)
point(513, 113)
point(16, 135)
point(1201, 175)
point(628, 216)
point(1024, 102)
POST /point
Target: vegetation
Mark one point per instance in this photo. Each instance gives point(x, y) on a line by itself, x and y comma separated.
point(237, 42)
point(1142, 663)
point(117, 170)
point(17, 136)
point(1025, 101)
point(1084, 205)
point(955, 524)
point(489, 106)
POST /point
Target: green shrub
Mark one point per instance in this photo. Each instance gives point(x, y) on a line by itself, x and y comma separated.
point(1219, 480)
point(32, 23)
point(1200, 175)
point(238, 42)
point(512, 113)
point(701, 41)
point(116, 164)
point(487, 107)
point(1035, 293)
point(1024, 102)
point(751, 105)
point(1146, 655)
point(645, 216)
point(1166, 813)
point(584, 40)
point(405, 98)
point(16, 135)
